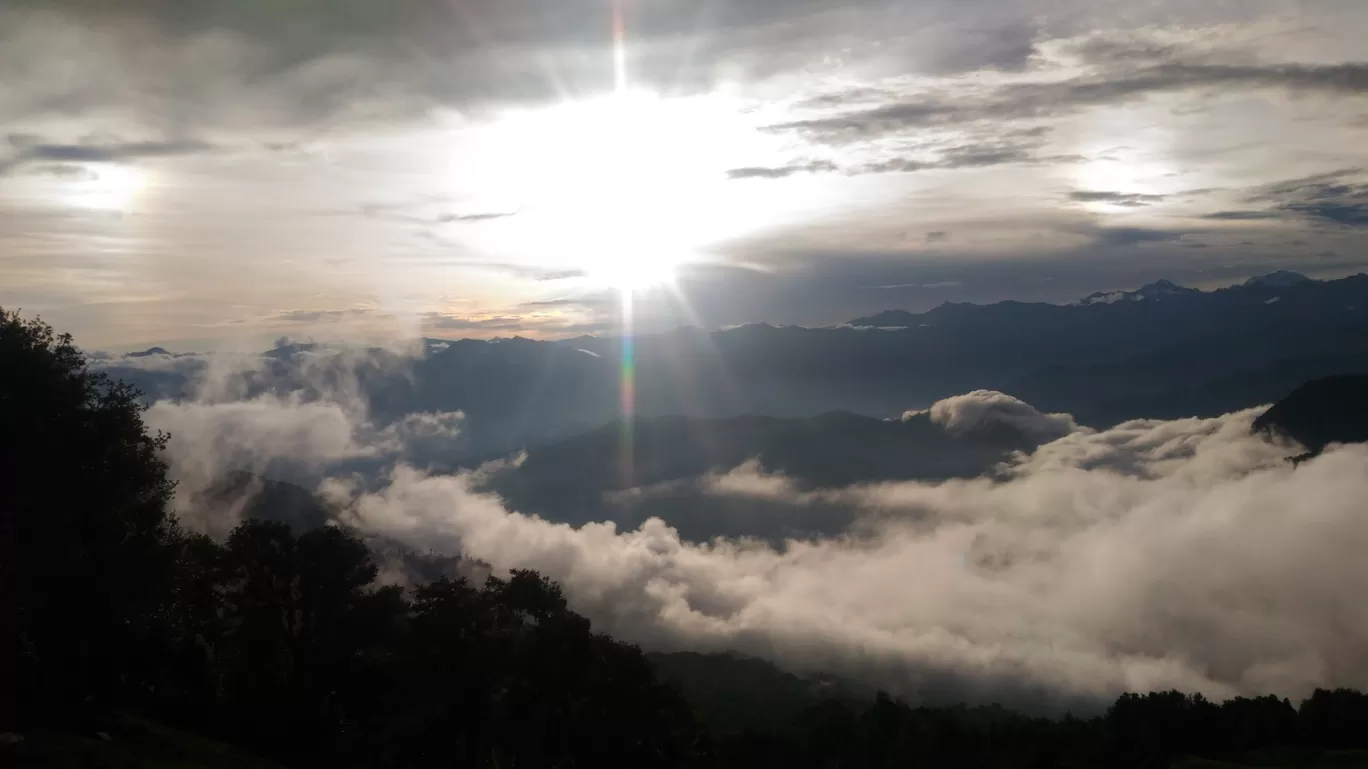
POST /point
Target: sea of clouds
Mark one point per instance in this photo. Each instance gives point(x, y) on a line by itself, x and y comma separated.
point(1184, 554)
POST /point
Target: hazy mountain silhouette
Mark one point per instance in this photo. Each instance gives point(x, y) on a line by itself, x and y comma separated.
point(1160, 351)
point(733, 691)
point(660, 471)
point(1156, 291)
point(582, 478)
point(148, 353)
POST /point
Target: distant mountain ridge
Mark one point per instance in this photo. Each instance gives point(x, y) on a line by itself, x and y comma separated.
point(1158, 291)
point(1160, 351)
point(585, 477)
point(1279, 279)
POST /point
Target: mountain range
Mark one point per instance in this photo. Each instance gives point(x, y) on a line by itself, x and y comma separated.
point(1161, 351)
point(674, 462)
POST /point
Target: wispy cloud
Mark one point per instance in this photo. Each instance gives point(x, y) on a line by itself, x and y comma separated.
point(1132, 200)
point(1032, 101)
point(446, 322)
point(475, 217)
point(30, 150)
point(317, 316)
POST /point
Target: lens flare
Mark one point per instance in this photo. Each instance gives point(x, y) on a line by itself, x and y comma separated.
point(627, 393)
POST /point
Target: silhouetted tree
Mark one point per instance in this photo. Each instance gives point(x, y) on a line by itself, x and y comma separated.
point(1249, 724)
point(85, 573)
point(298, 618)
point(193, 677)
point(1335, 719)
point(507, 675)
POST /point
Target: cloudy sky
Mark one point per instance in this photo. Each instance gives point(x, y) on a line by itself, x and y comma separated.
point(205, 172)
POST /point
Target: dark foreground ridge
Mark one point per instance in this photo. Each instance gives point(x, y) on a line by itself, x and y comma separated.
point(127, 642)
point(1319, 413)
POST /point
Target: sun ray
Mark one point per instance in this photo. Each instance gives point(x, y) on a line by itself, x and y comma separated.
point(627, 373)
point(619, 48)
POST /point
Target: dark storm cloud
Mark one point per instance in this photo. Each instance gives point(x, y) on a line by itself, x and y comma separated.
point(1027, 101)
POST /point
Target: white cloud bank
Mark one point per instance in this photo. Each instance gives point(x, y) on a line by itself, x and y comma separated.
point(975, 410)
point(1186, 554)
point(1161, 554)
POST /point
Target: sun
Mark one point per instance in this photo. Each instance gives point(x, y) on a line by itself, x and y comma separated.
point(623, 188)
point(631, 271)
point(108, 187)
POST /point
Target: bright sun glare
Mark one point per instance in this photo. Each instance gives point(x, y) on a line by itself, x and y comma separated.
point(624, 187)
point(109, 187)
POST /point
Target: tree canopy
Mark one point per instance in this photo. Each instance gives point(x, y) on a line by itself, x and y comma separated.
point(84, 523)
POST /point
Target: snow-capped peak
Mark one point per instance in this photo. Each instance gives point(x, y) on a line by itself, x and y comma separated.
point(1108, 297)
point(1156, 290)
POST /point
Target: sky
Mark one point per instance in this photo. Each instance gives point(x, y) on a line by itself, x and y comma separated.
point(200, 173)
